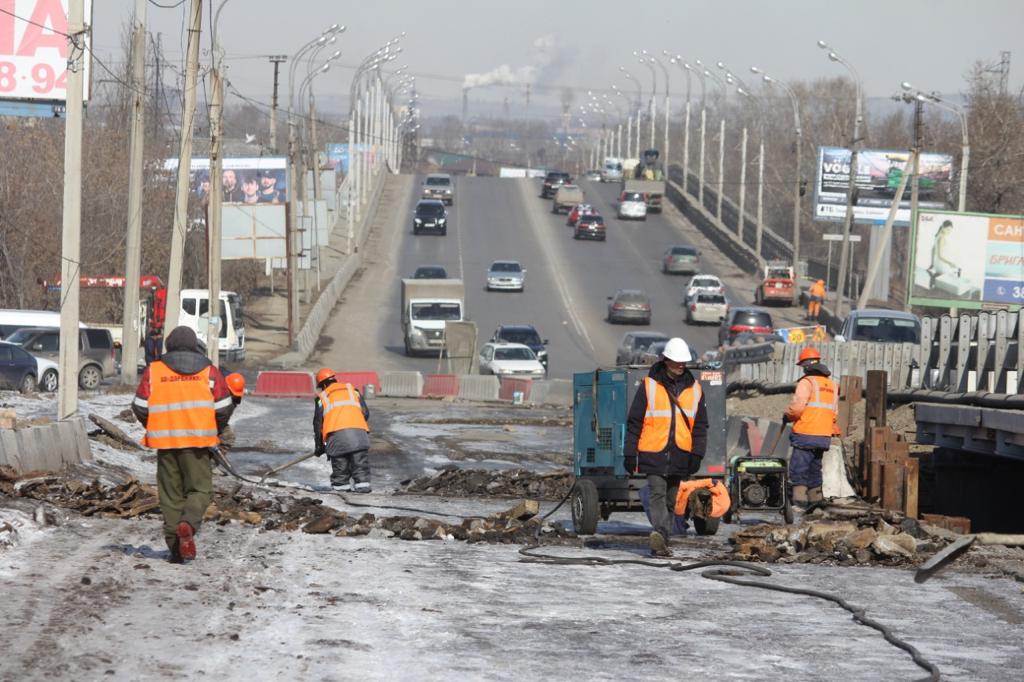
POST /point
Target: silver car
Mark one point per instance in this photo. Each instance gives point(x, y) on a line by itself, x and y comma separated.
point(681, 259)
point(506, 275)
point(707, 307)
point(439, 186)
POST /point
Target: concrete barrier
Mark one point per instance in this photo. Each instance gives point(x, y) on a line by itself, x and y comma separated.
point(50, 447)
point(510, 385)
point(440, 385)
point(478, 387)
point(552, 392)
point(401, 384)
point(359, 380)
point(285, 385)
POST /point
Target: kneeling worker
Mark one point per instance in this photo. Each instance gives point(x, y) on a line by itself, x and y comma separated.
point(341, 432)
point(666, 435)
point(813, 412)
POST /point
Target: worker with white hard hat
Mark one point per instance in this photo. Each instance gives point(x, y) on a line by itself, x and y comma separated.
point(667, 435)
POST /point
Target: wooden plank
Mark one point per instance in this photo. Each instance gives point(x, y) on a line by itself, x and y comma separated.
point(911, 472)
point(959, 524)
point(892, 486)
point(875, 479)
point(874, 410)
point(851, 392)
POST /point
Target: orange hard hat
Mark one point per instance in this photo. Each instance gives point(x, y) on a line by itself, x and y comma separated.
point(324, 374)
point(808, 354)
point(236, 384)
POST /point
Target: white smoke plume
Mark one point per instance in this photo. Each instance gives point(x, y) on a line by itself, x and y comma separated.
point(549, 59)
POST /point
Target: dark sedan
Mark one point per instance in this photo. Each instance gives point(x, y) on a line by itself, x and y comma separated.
point(629, 306)
point(17, 369)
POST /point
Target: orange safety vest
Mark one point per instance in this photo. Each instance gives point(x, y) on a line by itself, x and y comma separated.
point(720, 500)
point(819, 416)
point(658, 417)
point(181, 410)
point(341, 409)
point(817, 290)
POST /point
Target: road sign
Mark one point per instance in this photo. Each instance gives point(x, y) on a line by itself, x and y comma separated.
point(839, 237)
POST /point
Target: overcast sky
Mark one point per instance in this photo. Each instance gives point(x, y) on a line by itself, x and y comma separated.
point(931, 43)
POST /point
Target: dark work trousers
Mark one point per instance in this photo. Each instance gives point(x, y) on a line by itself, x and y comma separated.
point(351, 465)
point(805, 460)
point(663, 502)
point(184, 479)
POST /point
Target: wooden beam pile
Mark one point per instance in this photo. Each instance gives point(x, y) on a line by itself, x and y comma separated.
point(887, 471)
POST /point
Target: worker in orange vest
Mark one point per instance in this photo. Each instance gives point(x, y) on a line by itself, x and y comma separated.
point(185, 404)
point(236, 385)
point(812, 412)
point(815, 297)
point(341, 432)
point(666, 435)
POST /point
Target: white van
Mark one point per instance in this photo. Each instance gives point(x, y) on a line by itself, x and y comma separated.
point(13, 320)
point(194, 310)
point(612, 169)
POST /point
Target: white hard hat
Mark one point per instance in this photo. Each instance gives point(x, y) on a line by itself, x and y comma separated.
point(677, 350)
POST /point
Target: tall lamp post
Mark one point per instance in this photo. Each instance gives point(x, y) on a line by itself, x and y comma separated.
point(678, 61)
point(721, 142)
point(965, 146)
point(652, 108)
point(667, 107)
point(629, 120)
point(639, 104)
point(848, 218)
point(760, 168)
point(797, 134)
point(703, 129)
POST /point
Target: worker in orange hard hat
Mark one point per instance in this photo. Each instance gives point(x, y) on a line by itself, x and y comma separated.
point(236, 387)
point(812, 412)
point(815, 297)
point(340, 431)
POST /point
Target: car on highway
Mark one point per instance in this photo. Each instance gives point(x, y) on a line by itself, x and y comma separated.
point(884, 326)
point(745, 320)
point(629, 305)
point(430, 214)
point(681, 259)
point(593, 175)
point(634, 344)
point(703, 282)
point(506, 275)
point(590, 226)
point(552, 181)
point(439, 186)
point(19, 371)
point(510, 360)
point(707, 307)
point(566, 197)
point(525, 334)
point(430, 272)
point(96, 352)
point(632, 206)
point(577, 211)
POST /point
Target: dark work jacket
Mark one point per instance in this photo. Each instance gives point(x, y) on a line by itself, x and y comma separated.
point(154, 348)
point(671, 461)
point(340, 442)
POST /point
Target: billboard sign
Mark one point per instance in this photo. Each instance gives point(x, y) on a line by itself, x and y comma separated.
point(879, 173)
point(34, 50)
point(967, 260)
point(244, 180)
point(338, 155)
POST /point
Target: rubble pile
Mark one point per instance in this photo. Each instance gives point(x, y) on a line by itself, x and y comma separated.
point(454, 482)
point(842, 533)
point(127, 500)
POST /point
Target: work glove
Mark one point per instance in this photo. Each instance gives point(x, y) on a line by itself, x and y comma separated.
point(320, 450)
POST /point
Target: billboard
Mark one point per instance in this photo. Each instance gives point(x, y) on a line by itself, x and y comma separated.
point(967, 260)
point(878, 177)
point(338, 156)
point(244, 180)
point(34, 50)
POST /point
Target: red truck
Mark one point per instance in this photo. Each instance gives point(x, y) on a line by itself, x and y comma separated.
point(778, 286)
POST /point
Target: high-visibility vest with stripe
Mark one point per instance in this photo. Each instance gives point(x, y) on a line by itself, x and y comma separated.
point(819, 416)
point(658, 417)
point(181, 410)
point(341, 409)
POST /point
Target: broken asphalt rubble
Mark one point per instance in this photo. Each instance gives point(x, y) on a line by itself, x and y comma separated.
point(452, 481)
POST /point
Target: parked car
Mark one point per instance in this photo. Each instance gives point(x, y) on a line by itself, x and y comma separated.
point(439, 186)
point(629, 305)
point(552, 181)
point(885, 326)
point(430, 214)
point(430, 272)
point(707, 307)
point(12, 320)
point(703, 282)
point(510, 359)
point(18, 369)
point(566, 197)
point(634, 344)
point(96, 352)
point(590, 226)
point(49, 375)
point(577, 211)
point(632, 206)
point(745, 320)
point(507, 275)
point(681, 259)
point(526, 335)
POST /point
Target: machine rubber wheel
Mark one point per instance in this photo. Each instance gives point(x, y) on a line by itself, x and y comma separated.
point(90, 377)
point(585, 507)
point(28, 384)
point(787, 513)
point(705, 526)
point(50, 381)
point(727, 517)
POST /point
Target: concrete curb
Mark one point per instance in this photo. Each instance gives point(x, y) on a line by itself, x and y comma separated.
point(401, 384)
point(46, 448)
point(478, 387)
point(552, 392)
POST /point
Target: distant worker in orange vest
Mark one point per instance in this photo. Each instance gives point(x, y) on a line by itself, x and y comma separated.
point(666, 435)
point(815, 297)
point(185, 404)
point(812, 412)
point(341, 432)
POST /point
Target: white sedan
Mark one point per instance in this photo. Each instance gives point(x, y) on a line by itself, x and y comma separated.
point(510, 360)
point(506, 275)
point(702, 282)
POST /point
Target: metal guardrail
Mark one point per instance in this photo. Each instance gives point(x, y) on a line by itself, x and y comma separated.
point(973, 429)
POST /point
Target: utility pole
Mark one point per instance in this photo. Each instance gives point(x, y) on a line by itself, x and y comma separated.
point(67, 397)
point(133, 241)
point(743, 186)
point(721, 168)
point(276, 60)
point(851, 191)
point(213, 214)
point(915, 184)
point(180, 227)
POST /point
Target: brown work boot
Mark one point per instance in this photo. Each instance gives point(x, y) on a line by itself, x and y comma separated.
point(799, 498)
point(814, 495)
point(658, 544)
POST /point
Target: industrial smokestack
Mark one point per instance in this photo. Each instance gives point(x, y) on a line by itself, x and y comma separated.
point(465, 103)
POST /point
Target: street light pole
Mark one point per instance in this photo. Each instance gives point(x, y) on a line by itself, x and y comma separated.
point(703, 129)
point(760, 172)
point(678, 61)
point(721, 144)
point(965, 147)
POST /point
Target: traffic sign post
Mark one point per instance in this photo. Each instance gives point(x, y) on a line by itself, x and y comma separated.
point(828, 269)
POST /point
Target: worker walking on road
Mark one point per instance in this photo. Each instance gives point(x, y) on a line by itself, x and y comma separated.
point(666, 435)
point(341, 432)
point(815, 297)
point(813, 412)
point(184, 403)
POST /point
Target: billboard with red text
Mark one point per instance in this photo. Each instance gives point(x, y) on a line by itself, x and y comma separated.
point(34, 50)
